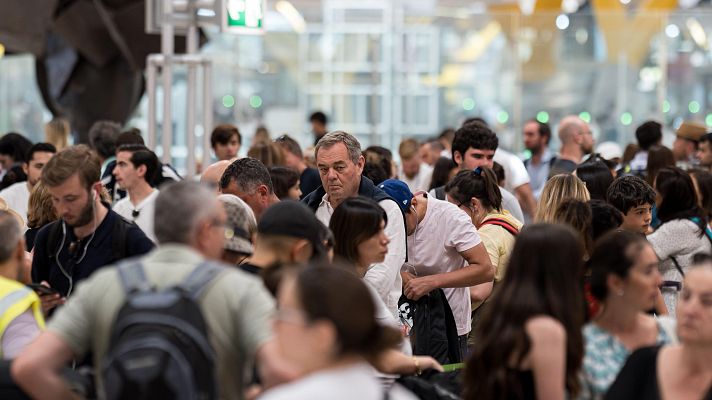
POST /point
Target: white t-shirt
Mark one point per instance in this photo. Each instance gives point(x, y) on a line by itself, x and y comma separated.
point(435, 247)
point(146, 210)
point(355, 382)
point(515, 173)
point(384, 277)
point(511, 204)
point(17, 196)
point(421, 180)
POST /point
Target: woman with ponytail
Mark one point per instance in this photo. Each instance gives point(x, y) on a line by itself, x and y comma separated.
point(477, 194)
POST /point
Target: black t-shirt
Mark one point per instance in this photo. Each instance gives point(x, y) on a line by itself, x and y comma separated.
point(309, 181)
point(76, 266)
point(561, 166)
point(638, 377)
point(250, 269)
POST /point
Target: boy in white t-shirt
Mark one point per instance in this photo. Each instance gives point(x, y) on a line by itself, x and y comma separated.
point(445, 251)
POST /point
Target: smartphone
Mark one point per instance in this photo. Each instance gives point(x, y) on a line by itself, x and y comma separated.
point(42, 290)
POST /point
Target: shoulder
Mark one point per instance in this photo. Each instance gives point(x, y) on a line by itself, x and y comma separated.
point(14, 189)
point(545, 329)
point(644, 358)
point(310, 172)
point(121, 205)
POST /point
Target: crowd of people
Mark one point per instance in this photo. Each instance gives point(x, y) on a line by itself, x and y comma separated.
point(335, 272)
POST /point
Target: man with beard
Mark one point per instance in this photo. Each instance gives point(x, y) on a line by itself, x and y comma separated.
point(536, 139)
point(88, 235)
point(576, 141)
point(17, 195)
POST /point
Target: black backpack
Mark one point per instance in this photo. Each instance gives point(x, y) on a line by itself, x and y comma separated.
point(159, 346)
point(433, 329)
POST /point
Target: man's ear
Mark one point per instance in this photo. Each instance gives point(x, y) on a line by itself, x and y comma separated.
point(142, 171)
point(301, 251)
point(457, 157)
point(25, 168)
point(263, 190)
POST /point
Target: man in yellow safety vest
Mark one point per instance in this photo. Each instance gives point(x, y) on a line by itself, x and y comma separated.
point(20, 310)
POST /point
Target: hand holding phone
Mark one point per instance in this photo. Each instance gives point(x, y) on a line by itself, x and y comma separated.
point(42, 290)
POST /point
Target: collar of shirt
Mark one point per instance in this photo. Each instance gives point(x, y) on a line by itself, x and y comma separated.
point(325, 204)
point(105, 164)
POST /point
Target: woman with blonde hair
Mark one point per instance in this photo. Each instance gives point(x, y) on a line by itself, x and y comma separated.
point(556, 190)
point(40, 212)
point(57, 132)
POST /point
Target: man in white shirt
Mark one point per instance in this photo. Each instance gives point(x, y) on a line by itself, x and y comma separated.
point(445, 252)
point(340, 163)
point(17, 195)
point(516, 175)
point(136, 167)
point(415, 173)
point(474, 146)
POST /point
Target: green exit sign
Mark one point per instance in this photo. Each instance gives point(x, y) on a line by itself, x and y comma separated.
point(244, 16)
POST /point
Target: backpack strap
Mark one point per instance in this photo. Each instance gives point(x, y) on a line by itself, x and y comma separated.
point(119, 236)
point(199, 279)
point(677, 266)
point(133, 277)
point(504, 224)
point(52, 244)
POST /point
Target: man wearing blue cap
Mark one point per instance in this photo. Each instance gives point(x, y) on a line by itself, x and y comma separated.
point(444, 252)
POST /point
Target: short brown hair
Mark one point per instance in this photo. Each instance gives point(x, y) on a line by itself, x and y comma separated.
point(289, 144)
point(77, 159)
point(223, 133)
point(408, 149)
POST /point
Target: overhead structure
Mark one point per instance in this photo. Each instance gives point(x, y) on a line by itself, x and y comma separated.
point(185, 17)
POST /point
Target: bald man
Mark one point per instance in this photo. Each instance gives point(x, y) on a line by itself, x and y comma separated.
point(576, 141)
point(212, 174)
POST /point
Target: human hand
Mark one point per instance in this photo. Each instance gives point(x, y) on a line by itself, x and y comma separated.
point(406, 276)
point(50, 301)
point(419, 287)
point(426, 362)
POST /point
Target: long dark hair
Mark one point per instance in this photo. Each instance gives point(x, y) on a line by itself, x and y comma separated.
point(612, 255)
point(659, 157)
point(597, 177)
point(441, 172)
point(704, 189)
point(544, 277)
point(355, 220)
point(325, 292)
point(480, 183)
point(679, 200)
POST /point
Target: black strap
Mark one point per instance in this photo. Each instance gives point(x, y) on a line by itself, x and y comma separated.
point(440, 193)
point(119, 237)
point(199, 278)
point(133, 277)
point(677, 266)
point(53, 238)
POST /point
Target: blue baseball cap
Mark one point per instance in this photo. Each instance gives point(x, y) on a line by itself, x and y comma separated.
point(399, 191)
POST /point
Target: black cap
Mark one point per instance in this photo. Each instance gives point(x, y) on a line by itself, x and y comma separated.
point(293, 219)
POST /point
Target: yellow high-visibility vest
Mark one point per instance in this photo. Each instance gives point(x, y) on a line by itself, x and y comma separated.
point(15, 299)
